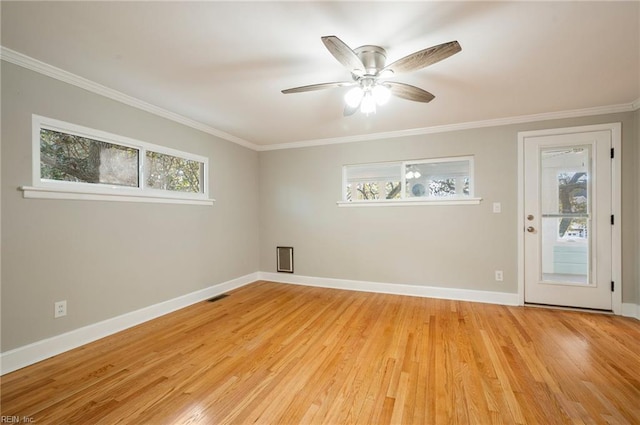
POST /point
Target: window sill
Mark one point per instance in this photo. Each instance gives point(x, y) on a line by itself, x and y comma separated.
point(407, 202)
point(32, 192)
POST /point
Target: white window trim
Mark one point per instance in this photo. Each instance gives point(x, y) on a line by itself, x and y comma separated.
point(53, 189)
point(409, 202)
point(452, 200)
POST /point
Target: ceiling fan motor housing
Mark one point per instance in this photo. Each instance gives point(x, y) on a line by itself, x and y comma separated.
point(373, 58)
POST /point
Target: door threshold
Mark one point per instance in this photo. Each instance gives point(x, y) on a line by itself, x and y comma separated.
point(566, 308)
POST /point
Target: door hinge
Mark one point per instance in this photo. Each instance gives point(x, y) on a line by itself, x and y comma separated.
point(612, 220)
point(612, 153)
point(613, 285)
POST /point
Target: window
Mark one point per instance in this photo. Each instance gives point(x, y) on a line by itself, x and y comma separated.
point(373, 181)
point(73, 162)
point(426, 181)
point(438, 178)
point(71, 158)
point(168, 172)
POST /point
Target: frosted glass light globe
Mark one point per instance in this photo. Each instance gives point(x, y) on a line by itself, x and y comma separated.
point(381, 94)
point(354, 96)
point(368, 104)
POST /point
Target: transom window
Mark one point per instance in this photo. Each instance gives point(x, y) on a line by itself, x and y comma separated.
point(67, 157)
point(440, 179)
point(369, 182)
point(74, 162)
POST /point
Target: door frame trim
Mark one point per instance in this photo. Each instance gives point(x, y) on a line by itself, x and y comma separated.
point(616, 203)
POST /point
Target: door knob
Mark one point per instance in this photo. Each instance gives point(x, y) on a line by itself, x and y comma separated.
point(530, 229)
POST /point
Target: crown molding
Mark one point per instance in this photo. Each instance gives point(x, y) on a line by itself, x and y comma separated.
point(575, 113)
point(43, 68)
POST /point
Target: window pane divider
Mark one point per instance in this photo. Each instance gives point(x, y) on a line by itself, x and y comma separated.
point(141, 173)
point(403, 180)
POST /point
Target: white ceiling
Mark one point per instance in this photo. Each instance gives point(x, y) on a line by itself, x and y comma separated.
point(223, 64)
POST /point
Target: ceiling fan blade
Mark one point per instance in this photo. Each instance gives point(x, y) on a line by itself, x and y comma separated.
point(406, 91)
point(320, 86)
point(344, 54)
point(350, 110)
point(423, 58)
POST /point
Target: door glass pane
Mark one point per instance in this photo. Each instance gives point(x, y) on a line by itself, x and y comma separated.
point(565, 202)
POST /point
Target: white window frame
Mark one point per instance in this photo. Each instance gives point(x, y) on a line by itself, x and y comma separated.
point(404, 200)
point(55, 189)
point(372, 164)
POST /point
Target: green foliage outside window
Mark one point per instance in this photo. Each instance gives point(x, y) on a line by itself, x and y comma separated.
point(72, 158)
point(371, 191)
point(172, 173)
point(67, 157)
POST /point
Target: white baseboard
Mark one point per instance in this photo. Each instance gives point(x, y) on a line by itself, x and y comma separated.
point(631, 310)
point(37, 351)
point(396, 289)
point(40, 350)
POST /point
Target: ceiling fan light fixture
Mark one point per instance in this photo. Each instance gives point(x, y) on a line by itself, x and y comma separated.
point(381, 94)
point(368, 104)
point(354, 96)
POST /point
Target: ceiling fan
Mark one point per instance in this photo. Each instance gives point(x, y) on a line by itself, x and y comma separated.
point(369, 74)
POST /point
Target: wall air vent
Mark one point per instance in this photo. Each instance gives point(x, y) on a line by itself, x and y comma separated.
point(284, 255)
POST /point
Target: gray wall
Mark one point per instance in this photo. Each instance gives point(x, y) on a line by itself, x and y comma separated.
point(110, 258)
point(635, 217)
point(446, 246)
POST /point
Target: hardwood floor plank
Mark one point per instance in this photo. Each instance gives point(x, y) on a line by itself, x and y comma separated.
point(274, 353)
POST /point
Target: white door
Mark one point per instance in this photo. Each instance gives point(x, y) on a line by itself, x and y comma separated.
point(568, 219)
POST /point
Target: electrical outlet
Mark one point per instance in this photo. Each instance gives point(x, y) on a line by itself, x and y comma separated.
point(499, 276)
point(497, 207)
point(59, 309)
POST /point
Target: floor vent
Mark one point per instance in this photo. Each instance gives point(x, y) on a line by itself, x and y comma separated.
point(217, 297)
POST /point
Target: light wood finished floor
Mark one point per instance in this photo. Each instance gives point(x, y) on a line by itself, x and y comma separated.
point(284, 354)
